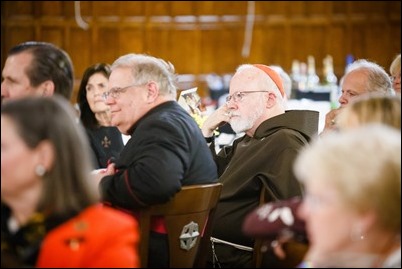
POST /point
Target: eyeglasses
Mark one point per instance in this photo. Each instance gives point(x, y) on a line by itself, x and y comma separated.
point(115, 92)
point(238, 96)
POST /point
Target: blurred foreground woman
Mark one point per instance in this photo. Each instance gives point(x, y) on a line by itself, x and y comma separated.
point(50, 215)
point(352, 206)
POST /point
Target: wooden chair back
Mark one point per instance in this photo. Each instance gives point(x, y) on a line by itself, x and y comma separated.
point(188, 220)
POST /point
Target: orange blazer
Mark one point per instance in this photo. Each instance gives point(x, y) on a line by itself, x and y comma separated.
point(98, 237)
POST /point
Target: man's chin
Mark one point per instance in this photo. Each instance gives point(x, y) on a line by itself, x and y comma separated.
point(114, 123)
point(237, 130)
point(122, 130)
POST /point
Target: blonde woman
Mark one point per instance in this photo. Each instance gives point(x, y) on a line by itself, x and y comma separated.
point(353, 215)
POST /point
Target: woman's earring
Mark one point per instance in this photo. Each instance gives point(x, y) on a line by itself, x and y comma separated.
point(40, 170)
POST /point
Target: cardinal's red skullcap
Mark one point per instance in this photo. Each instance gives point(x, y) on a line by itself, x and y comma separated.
point(273, 75)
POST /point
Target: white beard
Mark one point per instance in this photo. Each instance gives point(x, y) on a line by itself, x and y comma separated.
point(240, 124)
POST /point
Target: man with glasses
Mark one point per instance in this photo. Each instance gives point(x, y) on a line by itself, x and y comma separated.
point(166, 149)
point(258, 166)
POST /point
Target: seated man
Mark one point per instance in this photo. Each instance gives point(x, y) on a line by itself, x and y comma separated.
point(361, 77)
point(258, 166)
point(166, 149)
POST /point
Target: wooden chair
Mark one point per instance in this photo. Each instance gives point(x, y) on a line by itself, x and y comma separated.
point(188, 220)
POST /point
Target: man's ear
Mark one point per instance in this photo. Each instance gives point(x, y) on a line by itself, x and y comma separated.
point(47, 88)
point(271, 99)
point(153, 91)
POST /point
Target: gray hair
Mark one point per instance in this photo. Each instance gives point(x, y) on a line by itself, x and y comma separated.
point(145, 68)
point(377, 77)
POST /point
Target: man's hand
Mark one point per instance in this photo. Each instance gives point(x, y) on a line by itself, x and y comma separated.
point(100, 173)
point(330, 119)
point(218, 118)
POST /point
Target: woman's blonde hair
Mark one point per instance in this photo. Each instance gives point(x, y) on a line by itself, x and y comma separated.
point(363, 166)
point(372, 108)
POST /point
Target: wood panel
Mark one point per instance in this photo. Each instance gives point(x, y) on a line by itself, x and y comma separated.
point(337, 47)
point(267, 42)
point(16, 34)
point(105, 45)
point(381, 33)
point(202, 37)
point(52, 9)
point(17, 8)
point(208, 43)
point(80, 38)
point(54, 34)
point(131, 40)
point(185, 44)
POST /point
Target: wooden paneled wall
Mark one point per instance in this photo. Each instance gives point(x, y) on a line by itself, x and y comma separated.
point(202, 37)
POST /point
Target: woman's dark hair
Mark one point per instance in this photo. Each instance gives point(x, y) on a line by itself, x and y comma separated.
point(86, 115)
point(66, 185)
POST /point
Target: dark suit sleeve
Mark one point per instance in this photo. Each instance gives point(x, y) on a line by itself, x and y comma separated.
point(150, 168)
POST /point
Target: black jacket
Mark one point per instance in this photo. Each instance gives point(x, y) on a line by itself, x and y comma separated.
point(166, 151)
point(106, 143)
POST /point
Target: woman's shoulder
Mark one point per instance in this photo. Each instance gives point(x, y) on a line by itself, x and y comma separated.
point(95, 219)
point(96, 230)
point(100, 213)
